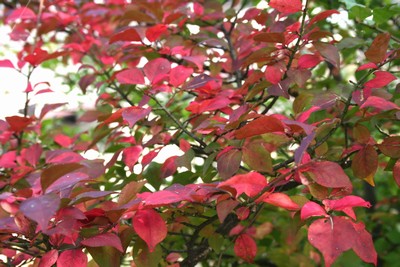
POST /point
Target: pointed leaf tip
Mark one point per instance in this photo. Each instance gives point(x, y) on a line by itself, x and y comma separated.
point(150, 226)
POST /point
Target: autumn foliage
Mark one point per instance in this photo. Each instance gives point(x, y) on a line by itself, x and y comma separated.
point(285, 129)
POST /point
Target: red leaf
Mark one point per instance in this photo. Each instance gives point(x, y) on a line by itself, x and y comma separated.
point(251, 183)
point(328, 174)
point(67, 181)
point(376, 53)
point(329, 52)
point(198, 81)
point(106, 239)
point(130, 156)
point(32, 154)
point(49, 258)
point(134, 114)
point(130, 76)
point(379, 103)
point(150, 226)
point(198, 61)
point(261, 125)
point(391, 146)
point(169, 167)
point(280, 89)
point(63, 140)
point(8, 159)
point(128, 35)
point(336, 235)
point(53, 173)
point(225, 207)
point(367, 66)
point(23, 13)
point(273, 74)
point(74, 257)
point(322, 15)
point(41, 209)
point(161, 198)
point(184, 145)
point(39, 55)
point(396, 172)
point(152, 33)
point(245, 248)
point(286, 6)
point(17, 123)
point(208, 105)
point(157, 69)
point(6, 64)
point(48, 107)
point(281, 200)
point(382, 78)
point(308, 61)
point(365, 162)
point(149, 157)
point(270, 37)
point(62, 156)
point(179, 74)
point(228, 162)
point(302, 149)
point(243, 213)
point(85, 81)
point(312, 209)
point(346, 204)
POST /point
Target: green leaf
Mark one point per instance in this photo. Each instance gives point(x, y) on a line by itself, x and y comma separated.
point(349, 3)
point(106, 256)
point(216, 241)
point(152, 174)
point(359, 12)
point(382, 15)
point(142, 256)
point(257, 156)
point(350, 42)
